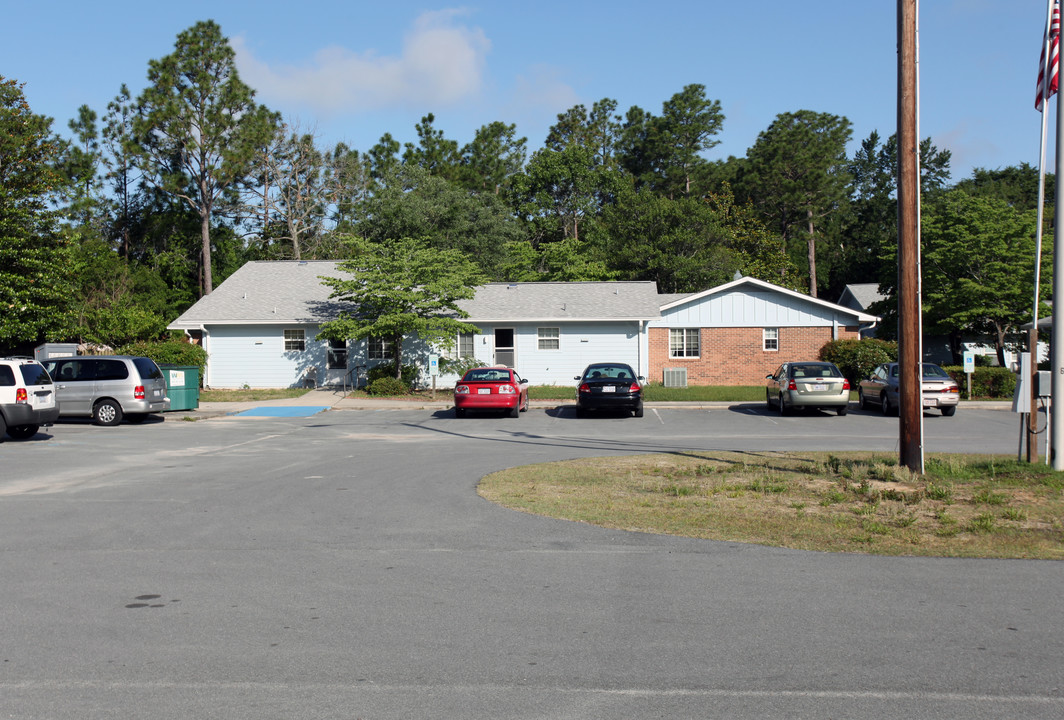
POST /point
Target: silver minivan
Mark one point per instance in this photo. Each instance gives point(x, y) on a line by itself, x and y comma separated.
point(108, 387)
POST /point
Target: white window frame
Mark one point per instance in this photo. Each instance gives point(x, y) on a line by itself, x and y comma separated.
point(380, 349)
point(295, 340)
point(686, 336)
point(770, 339)
point(549, 338)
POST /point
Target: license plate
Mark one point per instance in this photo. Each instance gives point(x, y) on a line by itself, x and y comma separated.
point(608, 388)
point(158, 393)
point(929, 402)
point(483, 391)
point(819, 387)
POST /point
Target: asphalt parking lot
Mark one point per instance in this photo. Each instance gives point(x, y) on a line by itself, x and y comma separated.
point(340, 564)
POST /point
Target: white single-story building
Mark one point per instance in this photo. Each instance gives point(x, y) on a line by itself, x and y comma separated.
point(259, 328)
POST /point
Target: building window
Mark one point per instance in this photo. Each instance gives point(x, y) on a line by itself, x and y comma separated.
point(465, 345)
point(549, 339)
point(771, 339)
point(336, 359)
point(295, 341)
point(381, 349)
point(683, 342)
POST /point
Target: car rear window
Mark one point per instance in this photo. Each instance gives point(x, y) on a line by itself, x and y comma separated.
point(814, 371)
point(147, 368)
point(487, 376)
point(33, 374)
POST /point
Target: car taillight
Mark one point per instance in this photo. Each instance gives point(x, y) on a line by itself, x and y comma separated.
point(138, 392)
point(584, 387)
point(507, 389)
point(635, 387)
point(792, 385)
point(845, 384)
point(461, 390)
point(953, 389)
point(21, 396)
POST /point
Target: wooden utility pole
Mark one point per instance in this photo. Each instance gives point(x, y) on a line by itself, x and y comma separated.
point(911, 411)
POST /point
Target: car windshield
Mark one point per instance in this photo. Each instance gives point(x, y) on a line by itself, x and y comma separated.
point(811, 370)
point(487, 375)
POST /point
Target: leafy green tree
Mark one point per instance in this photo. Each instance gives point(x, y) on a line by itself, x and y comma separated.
point(413, 203)
point(559, 193)
point(433, 152)
point(402, 288)
point(797, 172)
point(871, 223)
point(665, 153)
point(1017, 185)
point(492, 159)
point(120, 170)
point(689, 244)
point(348, 182)
point(81, 164)
point(199, 128)
point(35, 269)
point(598, 130)
point(977, 269)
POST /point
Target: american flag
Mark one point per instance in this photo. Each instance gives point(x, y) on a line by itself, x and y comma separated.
point(1054, 51)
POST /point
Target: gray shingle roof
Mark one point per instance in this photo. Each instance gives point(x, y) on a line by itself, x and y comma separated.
point(270, 292)
point(267, 292)
point(564, 301)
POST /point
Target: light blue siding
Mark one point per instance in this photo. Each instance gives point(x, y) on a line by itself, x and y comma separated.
point(579, 345)
point(254, 355)
point(743, 308)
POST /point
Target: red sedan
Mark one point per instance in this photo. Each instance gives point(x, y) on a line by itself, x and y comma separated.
point(491, 388)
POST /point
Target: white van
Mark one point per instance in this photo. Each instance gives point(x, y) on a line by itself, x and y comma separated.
point(108, 387)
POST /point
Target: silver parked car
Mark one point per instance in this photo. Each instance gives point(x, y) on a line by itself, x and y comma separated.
point(937, 389)
point(108, 387)
point(808, 384)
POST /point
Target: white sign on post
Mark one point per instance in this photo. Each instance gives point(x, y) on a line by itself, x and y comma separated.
point(434, 365)
point(969, 361)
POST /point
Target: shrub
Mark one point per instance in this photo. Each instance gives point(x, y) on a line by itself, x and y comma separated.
point(387, 370)
point(858, 358)
point(168, 352)
point(987, 382)
point(388, 386)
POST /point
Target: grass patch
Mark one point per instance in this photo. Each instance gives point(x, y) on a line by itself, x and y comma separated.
point(964, 506)
point(250, 394)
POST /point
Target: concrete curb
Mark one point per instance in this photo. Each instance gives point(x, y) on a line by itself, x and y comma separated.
point(336, 400)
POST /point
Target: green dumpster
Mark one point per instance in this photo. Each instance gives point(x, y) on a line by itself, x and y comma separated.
point(182, 385)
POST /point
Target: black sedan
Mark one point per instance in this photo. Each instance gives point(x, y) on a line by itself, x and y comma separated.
point(609, 386)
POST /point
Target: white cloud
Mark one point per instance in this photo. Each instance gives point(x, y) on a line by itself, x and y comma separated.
point(441, 64)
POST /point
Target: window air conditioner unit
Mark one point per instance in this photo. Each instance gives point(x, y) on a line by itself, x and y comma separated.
point(675, 377)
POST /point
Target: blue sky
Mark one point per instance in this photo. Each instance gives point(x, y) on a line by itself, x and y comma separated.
point(352, 70)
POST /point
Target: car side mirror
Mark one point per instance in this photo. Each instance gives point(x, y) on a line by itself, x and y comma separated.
point(577, 377)
point(641, 379)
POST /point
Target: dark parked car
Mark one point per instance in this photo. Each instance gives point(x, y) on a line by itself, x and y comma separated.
point(808, 384)
point(491, 388)
point(609, 386)
point(938, 389)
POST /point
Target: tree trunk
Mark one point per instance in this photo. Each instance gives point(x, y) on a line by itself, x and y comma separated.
point(205, 232)
point(397, 343)
point(812, 252)
point(999, 343)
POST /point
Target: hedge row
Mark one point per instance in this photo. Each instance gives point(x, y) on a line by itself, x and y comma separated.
point(996, 383)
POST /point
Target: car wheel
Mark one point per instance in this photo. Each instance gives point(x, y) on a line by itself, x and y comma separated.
point(136, 418)
point(107, 413)
point(515, 411)
point(884, 404)
point(638, 412)
point(842, 409)
point(768, 400)
point(862, 402)
point(459, 412)
point(783, 405)
point(948, 411)
point(3, 428)
point(524, 408)
point(580, 412)
point(23, 432)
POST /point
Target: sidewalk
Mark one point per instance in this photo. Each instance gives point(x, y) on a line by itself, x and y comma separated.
point(334, 399)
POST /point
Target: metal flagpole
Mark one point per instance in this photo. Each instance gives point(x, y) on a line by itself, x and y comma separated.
point(1056, 401)
point(1032, 340)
